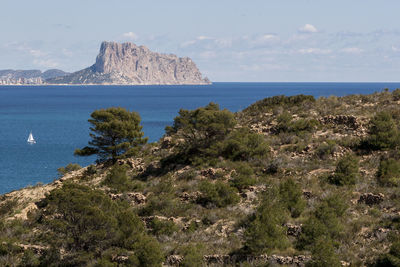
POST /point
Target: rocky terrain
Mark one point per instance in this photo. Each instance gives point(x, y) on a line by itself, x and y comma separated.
point(25, 77)
point(129, 64)
point(289, 181)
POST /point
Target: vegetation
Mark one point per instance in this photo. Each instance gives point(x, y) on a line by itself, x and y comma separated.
point(287, 176)
point(69, 168)
point(116, 133)
point(346, 172)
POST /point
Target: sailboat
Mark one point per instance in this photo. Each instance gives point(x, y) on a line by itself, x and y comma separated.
point(30, 139)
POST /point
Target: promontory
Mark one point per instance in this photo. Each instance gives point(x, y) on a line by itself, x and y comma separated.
point(129, 64)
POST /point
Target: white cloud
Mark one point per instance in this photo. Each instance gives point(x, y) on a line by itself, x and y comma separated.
point(130, 35)
point(37, 53)
point(308, 28)
point(202, 37)
point(352, 50)
point(46, 63)
point(395, 48)
point(315, 51)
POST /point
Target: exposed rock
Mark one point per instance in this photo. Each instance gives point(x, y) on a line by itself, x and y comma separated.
point(293, 230)
point(173, 260)
point(371, 199)
point(132, 197)
point(130, 64)
point(166, 142)
point(347, 120)
point(24, 77)
point(192, 197)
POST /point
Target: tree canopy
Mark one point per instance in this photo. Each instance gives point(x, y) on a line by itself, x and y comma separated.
point(115, 133)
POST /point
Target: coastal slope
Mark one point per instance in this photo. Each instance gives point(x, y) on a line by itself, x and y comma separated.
point(129, 64)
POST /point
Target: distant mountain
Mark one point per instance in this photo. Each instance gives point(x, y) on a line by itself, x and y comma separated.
point(10, 77)
point(128, 63)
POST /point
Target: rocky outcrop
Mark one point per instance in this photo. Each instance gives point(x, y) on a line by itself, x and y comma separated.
point(129, 64)
point(25, 77)
point(371, 199)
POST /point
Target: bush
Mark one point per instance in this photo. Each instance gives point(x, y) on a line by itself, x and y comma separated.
point(292, 197)
point(388, 173)
point(326, 149)
point(324, 222)
point(162, 227)
point(286, 124)
point(242, 144)
point(69, 168)
point(323, 254)
point(244, 176)
point(200, 128)
point(383, 133)
point(84, 222)
point(193, 256)
point(391, 259)
point(280, 101)
point(265, 231)
point(218, 194)
point(346, 172)
point(117, 179)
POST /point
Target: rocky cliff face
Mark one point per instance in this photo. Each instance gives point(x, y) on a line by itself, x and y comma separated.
point(16, 77)
point(128, 63)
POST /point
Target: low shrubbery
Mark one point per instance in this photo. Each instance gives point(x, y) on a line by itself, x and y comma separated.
point(69, 168)
point(265, 231)
point(217, 194)
point(292, 197)
point(87, 224)
point(346, 172)
point(383, 133)
point(388, 173)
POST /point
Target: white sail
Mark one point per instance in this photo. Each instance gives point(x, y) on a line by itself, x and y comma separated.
point(31, 140)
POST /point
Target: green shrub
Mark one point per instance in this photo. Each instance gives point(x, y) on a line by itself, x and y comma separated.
point(292, 197)
point(193, 256)
point(117, 178)
point(391, 259)
point(280, 101)
point(199, 129)
point(244, 176)
point(326, 149)
point(388, 173)
point(265, 231)
point(162, 227)
point(85, 222)
point(383, 133)
point(69, 168)
point(323, 254)
point(29, 259)
point(346, 172)
point(218, 194)
point(242, 144)
point(326, 221)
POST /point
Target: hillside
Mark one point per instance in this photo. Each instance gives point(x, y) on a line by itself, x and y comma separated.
point(129, 64)
point(290, 181)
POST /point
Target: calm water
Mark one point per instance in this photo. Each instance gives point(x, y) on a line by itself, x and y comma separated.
point(57, 116)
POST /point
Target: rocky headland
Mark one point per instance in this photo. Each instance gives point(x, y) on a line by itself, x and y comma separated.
point(117, 64)
point(129, 64)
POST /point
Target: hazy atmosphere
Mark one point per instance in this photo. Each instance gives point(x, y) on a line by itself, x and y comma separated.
point(229, 40)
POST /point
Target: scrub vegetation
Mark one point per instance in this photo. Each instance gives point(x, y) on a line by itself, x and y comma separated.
point(289, 180)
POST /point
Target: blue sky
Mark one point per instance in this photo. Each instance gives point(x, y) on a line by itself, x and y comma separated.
point(253, 40)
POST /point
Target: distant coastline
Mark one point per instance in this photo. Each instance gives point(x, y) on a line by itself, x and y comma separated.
point(117, 64)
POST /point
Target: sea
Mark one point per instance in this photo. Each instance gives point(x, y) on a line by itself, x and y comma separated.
point(57, 117)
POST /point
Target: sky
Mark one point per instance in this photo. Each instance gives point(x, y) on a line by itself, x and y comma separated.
point(229, 40)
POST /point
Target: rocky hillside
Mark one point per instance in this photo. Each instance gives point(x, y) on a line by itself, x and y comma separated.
point(289, 181)
point(130, 64)
point(16, 77)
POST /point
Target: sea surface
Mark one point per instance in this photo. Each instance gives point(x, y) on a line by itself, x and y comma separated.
point(57, 117)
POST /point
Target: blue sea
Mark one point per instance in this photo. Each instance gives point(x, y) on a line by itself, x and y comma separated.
point(57, 117)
